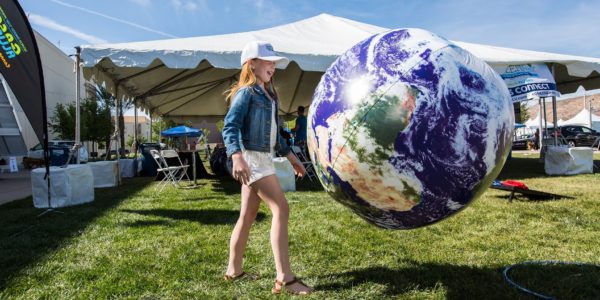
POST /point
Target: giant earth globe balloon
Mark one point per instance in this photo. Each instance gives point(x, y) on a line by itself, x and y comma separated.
point(406, 128)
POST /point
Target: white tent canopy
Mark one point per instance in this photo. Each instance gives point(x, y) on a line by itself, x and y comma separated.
point(187, 76)
point(535, 123)
point(583, 118)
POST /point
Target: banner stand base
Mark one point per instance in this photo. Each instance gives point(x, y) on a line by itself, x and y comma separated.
point(49, 210)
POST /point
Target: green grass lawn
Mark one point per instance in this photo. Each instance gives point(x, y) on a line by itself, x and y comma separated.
point(133, 242)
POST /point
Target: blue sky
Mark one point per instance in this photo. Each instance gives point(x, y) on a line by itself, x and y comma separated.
point(568, 27)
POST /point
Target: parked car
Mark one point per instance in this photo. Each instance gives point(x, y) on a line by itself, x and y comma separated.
point(577, 135)
point(521, 142)
point(37, 152)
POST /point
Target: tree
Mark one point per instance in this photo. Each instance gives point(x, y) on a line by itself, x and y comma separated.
point(141, 139)
point(160, 125)
point(104, 124)
point(63, 122)
point(524, 112)
point(121, 105)
point(98, 121)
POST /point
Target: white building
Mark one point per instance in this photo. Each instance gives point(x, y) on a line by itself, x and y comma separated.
point(59, 80)
point(143, 128)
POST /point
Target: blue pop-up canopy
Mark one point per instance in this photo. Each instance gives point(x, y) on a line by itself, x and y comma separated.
point(182, 131)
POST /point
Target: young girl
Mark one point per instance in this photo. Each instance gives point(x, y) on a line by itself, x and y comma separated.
point(252, 122)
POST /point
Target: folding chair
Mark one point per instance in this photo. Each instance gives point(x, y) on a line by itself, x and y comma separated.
point(162, 168)
point(310, 170)
point(178, 171)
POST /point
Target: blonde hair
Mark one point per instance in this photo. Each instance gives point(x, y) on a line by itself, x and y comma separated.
point(247, 78)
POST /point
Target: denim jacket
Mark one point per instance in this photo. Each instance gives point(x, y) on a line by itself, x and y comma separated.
point(249, 118)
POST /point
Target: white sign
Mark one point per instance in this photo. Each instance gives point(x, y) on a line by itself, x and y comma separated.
point(13, 164)
point(528, 81)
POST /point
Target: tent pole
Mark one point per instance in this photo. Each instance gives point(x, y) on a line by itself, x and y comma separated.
point(554, 114)
point(545, 116)
point(135, 135)
point(160, 128)
point(135, 123)
point(117, 140)
point(540, 135)
point(77, 104)
point(589, 107)
point(150, 138)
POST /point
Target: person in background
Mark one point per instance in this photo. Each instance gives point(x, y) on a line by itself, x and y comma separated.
point(285, 135)
point(300, 129)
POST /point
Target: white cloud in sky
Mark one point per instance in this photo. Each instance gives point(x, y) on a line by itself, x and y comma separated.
point(189, 5)
point(113, 18)
point(259, 4)
point(267, 13)
point(145, 3)
point(51, 24)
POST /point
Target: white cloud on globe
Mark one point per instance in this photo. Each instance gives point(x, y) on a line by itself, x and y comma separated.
point(357, 89)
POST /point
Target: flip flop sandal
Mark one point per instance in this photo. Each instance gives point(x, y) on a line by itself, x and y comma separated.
point(281, 286)
point(238, 276)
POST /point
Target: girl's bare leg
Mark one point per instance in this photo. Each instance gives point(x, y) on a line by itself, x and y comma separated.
point(241, 231)
point(269, 190)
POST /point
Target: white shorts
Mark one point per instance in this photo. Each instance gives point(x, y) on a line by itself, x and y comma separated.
point(260, 164)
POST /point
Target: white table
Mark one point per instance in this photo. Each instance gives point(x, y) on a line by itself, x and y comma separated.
point(285, 174)
point(560, 160)
point(69, 186)
point(106, 173)
point(126, 167)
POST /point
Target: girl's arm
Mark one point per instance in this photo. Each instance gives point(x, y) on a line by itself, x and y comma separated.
point(234, 120)
point(297, 164)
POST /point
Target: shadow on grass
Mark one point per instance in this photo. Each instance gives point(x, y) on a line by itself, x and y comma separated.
point(25, 238)
point(522, 168)
point(206, 216)
point(228, 186)
point(225, 185)
point(146, 223)
point(306, 185)
point(524, 198)
point(464, 282)
point(208, 198)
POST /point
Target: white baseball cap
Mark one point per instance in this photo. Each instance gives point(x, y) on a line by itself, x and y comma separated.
point(262, 50)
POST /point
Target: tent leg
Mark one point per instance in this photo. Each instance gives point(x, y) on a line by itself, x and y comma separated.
point(135, 136)
point(554, 114)
point(541, 134)
point(554, 117)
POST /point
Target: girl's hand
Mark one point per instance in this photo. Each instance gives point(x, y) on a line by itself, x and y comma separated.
point(240, 171)
point(299, 169)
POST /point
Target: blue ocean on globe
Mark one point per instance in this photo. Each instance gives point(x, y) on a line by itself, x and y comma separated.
point(406, 128)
